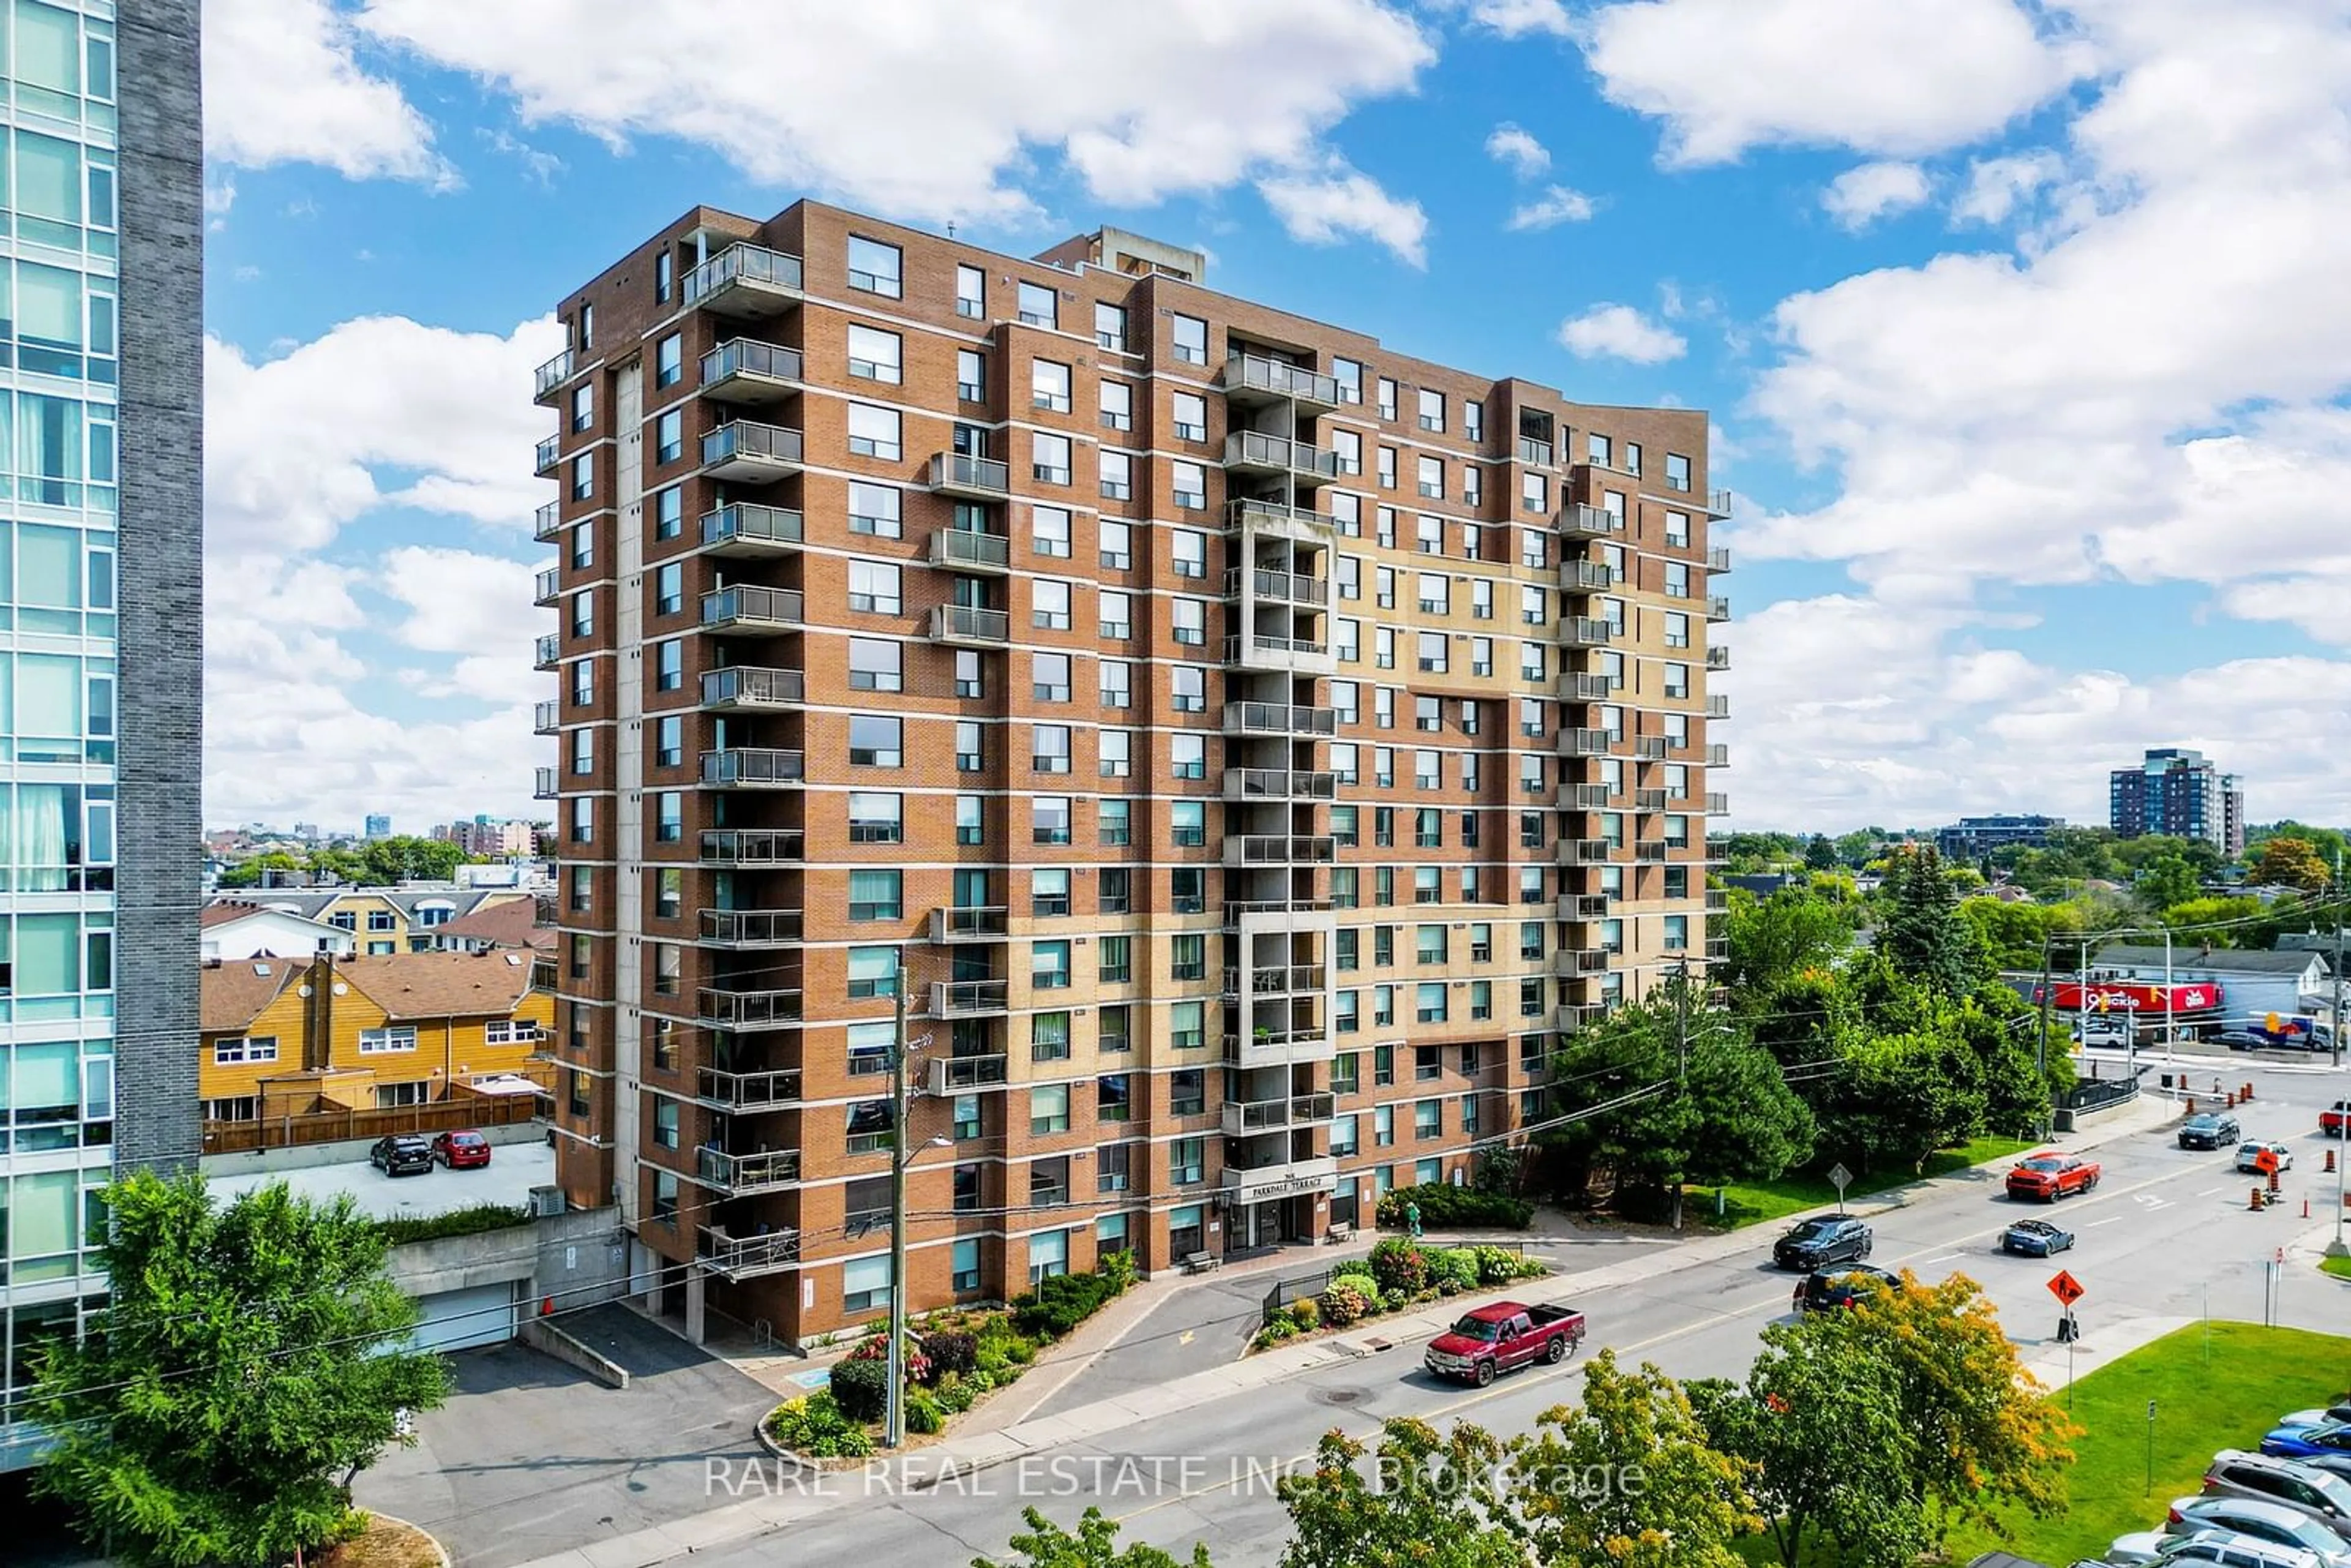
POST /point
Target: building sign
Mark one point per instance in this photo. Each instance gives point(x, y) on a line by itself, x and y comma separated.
point(1293, 1187)
point(2120, 997)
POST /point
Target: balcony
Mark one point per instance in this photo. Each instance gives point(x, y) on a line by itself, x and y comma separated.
point(752, 687)
point(547, 650)
point(1717, 503)
point(1582, 851)
point(745, 528)
point(1279, 784)
point(716, 1009)
point(1294, 1179)
point(743, 370)
point(1569, 1017)
point(1717, 608)
point(751, 847)
point(1277, 980)
point(1717, 949)
point(1280, 719)
point(1575, 742)
point(748, 1091)
point(1271, 651)
point(748, 452)
point(546, 717)
point(745, 280)
point(546, 524)
point(1577, 962)
point(551, 375)
point(1585, 577)
point(549, 456)
point(962, 550)
point(752, 609)
point(1584, 631)
point(1651, 852)
point(1648, 800)
point(969, 999)
point(971, 478)
point(1538, 453)
point(1277, 517)
point(754, 768)
point(1577, 686)
point(1583, 797)
point(742, 1176)
point(1280, 849)
point(1716, 755)
point(1578, 521)
point(543, 788)
point(740, 1258)
point(956, 1074)
point(1582, 907)
point(748, 928)
point(1252, 380)
point(1718, 899)
point(962, 625)
point(1717, 558)
point(969, 923)
point(1243, 1117)
point(547, 587)
point(1718, 706)
point(1282, 586)
point(1717, 658)
point(1278, 1047)
point(1717, 804)
point(1254, 453)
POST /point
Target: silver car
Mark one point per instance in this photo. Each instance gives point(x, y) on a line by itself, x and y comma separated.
point(2266, 1521)
point(2287, 1482)
point(2153, 1549)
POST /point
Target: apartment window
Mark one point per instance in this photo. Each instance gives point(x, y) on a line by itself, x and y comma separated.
point(1190, 482)
point(1049, 748)
point(1116, 750)
point(1189, 619)
point(1677, 578)
point(1116, 682)
point(583, 477)
point(1677, 933)
point(1348, 645)
point(873, 432)
point(1430, 478)
point(1110, 326)
point(1191, 339)
point(970, 673)
point(1599, 449)
point(1434, 652)
point(669, 742)
point(1049, 531)
point(1677, 529)
point(1384, 647)
point(1188, 754)
point(1049, 1040)
point(1040, 305)
point(1428, 536)
point(1348, 445)
point(874, 509)
point(1535, 493)
point(1048, 965)
point(1428, 771)
point(384, 1042)
point(1115, 960)
point(1432, 410)
point(1677, 471)
point(873, 972)
point(971, 375)
point(1048, 605)
point(1429, 944)
point(971, 751)
point(1048, 458)
point(669, 361)
point(1188, 689)
point(873, 665)
point(1114, 823)
point(873, 895)
point(1191, 416)
point(874, 266)
point(874, 355)
point(1473, 494)
point(1387, 398)
point(971, 819)
point(1382, 1126)
point(873, 587)
point(1678, 680)
point(583, 760)
point(669, 515)
point(1117, 405)
point(1436, 591)
point(1117, 476)
point(875, 819)
point(1185, 1030)
point(1115, 542)
point(1387, 467)
point(1048, 385)
point(1113, 1030)
point(1048, 819)
point(1187, 824)
point(583, 406)
point(876, 740)
point(1678, 629)
point(1427, 1119)
point(1187, 890)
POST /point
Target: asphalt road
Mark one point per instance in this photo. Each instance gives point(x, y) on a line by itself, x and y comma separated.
point(2167, 1234)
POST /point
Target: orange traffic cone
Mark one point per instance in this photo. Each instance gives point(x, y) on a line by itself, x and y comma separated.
point(2255, 1204)
point(2330, 1161)
point(2246, 1092)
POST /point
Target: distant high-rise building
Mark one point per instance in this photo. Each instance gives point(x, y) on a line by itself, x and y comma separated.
point(106, 212)
point(379, 827)
point(2176, 791)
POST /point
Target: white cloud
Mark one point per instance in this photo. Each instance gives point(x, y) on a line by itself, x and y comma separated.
point(1176, 97)
point(1516, 18)
point(1996, 187)
point(1327, 204)
point(538, 163)
point(1620, 332)
point(1556, 205)
point(1863, 194)
point(1903, 79)
point(1512, 146)
point(282, 85)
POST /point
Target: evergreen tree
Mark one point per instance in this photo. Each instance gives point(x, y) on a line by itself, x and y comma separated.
point(1922, 933)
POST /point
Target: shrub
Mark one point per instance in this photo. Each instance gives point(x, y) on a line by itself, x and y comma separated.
point(1394, 1300)
point(470, 1222)
point(1274, 1332)
point(977, 1382)
point(1305, 1314)
point(1495, 1264)
point(1062, 1302)
point(816, 1426)
point(1452, 1270)
point(862, 1387)
point(1344, 1302)
point(1451, 1207)
point(924, 1414)
point(1118, 1269)
point(1016, 1354)
point(1400, 1267)
point(876, 1347)
point(950, 1351)
point(1358, 1269)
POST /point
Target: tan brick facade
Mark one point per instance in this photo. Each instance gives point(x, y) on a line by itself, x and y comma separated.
point(1248, 825)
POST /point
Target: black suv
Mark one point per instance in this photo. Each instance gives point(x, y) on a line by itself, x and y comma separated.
point(1818, 1242)
point(1838, 1288)
point(402, 1154)
point(2209, 1130)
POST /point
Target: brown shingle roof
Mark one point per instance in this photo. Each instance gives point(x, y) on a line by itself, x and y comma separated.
point(509, 923)
point(223, 913)
point(441, 985)
point(231, 995)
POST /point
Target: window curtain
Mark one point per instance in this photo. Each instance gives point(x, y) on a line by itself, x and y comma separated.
point(38, 837)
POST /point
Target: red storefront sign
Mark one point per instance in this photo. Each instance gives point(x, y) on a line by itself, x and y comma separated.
point(2116, 995)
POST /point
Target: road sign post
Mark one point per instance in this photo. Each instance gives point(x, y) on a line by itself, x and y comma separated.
point(2151, 1448)
point(1839, 1178)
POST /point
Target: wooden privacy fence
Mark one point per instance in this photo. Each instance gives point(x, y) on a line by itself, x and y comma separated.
point(335, 1126)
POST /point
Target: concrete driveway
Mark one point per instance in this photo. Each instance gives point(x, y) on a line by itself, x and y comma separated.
point(530, 1457)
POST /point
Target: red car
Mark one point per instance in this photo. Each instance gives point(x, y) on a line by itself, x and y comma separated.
point(2050, 1174)
point(461, 1151)
point(2331, 1120)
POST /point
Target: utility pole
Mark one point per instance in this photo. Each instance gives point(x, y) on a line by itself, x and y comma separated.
point(1681, 1067)
point(894, 1426)
point(2041, 1040)
point(2336, 1248)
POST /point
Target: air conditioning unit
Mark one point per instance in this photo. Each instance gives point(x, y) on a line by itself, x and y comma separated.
point(546, 1202)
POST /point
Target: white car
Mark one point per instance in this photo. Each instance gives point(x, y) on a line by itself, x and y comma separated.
point(2249, 1153)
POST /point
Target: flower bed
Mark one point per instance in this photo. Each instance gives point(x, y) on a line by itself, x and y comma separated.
point(953, 1360)
point(1445, 1206)
point(1398, 1274)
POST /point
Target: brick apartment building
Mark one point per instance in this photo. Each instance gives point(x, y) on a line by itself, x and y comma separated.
point(1256, 747)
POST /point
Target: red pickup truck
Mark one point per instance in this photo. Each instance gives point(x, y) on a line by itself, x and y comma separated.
point(1498, 1337)
point(2335, 1118)
point(2050, 1174)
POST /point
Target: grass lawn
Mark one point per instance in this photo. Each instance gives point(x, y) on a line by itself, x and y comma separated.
point(2338, 1267)
point(1752, 1203)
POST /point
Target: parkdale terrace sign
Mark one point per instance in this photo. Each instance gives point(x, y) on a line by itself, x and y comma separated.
point(2114, 996)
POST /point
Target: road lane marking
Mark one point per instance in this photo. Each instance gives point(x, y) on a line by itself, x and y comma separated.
point(1943, 1258)
point(2108, 1220)
point(2210, 1190)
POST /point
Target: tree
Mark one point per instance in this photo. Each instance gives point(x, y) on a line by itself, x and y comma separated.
point(1751, 1124)
point(1048, 1545)
point(1628, 1478)
point(1819, 853)
point(406, 859)
point(2233, 922)
point(1785, 935)
point(2328, 842)
point(252, 1361)
point(248, 873)
point(2167, 880)
point(2290, 862)
point(1424, 1501)
point(1922, 933)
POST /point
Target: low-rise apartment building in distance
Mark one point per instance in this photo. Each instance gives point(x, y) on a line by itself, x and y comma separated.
point(1251, 749)
point(1972, 837)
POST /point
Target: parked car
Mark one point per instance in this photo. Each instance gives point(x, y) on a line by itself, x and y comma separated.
point(2050, 1174)
point(2249, 1152)
point(2340, 1411)
point(2331, 1120)
point(1835, 1289)
point(2313, 1491)
point(2209, 1130)
point(1831, 1239)
point(402, 1154)
point(461, 1151)
point(2302, 1442)
point(1496, 1338)
point(2268, 1522)
point(2242, 1039)
point(2224, 1549)
point(2035, 1239)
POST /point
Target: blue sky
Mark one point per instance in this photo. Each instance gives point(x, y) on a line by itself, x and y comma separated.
point(2020, 325)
